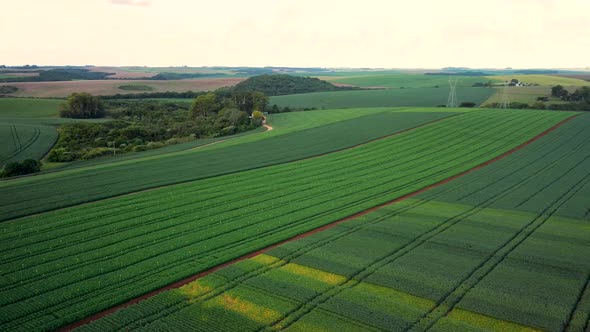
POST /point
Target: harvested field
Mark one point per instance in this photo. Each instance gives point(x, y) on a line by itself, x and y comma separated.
point(585, 77)
point(111, 87)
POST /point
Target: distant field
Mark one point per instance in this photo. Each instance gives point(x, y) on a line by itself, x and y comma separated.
point(117, 249)
point(141, 72)
point(28, 108)
point(110, 87)
point(545, 80)
point(585, 77)
point(405, 80)
point(420, 97)
point(524, 94)
point(17, 75)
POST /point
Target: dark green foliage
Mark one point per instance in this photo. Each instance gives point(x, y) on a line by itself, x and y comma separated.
point(182, 76)
point(27, 166)
point(141, 126)
point(22, 67)
point(61, 74)
point(146, 95)
point(250, 101)
point(82, 106)
point(468, 104)
point(206, 105)
point(514, 105)
point(7, 89)
point(579, 100)
point(581, 95)
point(560, 92)
point(281, 84)
point(570, 107)
point(136, 87)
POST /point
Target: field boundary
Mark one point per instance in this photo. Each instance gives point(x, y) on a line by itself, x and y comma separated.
point(190, 279)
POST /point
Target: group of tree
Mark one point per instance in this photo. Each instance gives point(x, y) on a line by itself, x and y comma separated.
point(146, 95)
point(214, 102)
point(580, 95)
point(27, 166)
point(139, 125)
point(7, 89)
point(488, 84)
point(82, 106)
point(282, 84)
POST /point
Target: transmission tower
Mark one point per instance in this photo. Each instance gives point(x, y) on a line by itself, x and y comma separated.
point(505, 103)
point(452, 101)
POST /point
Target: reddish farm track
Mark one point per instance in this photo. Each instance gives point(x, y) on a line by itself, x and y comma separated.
point(190, 279)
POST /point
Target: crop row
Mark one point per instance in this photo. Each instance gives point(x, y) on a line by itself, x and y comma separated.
point(497, 248)
point(140, 261)
point(61, 189)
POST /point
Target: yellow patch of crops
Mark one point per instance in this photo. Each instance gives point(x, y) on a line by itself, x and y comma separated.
point(246, 308)
point(325, 277)
point(265, 259)
point(486, 322)
point(195, 288)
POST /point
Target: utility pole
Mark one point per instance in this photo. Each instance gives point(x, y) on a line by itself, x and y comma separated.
point(505, 103)
point(452, 100)
point(114, 147)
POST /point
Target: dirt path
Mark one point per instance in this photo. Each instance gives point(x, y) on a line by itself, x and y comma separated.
point(190, 279)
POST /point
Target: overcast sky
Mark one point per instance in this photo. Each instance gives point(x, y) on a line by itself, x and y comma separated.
point(318, 33)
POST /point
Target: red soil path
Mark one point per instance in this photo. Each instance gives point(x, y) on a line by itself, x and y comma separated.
point(190, 279)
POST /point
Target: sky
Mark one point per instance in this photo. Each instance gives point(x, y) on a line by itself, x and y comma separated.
point(297, 33)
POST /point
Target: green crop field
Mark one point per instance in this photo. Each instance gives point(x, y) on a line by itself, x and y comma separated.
point(27, 128)
point(28, 108)
point(424, 97)
point(406, 80)
point(25, 141)
point(55, 190)
point(282, 123)
point(114, 250)
point(502, 248)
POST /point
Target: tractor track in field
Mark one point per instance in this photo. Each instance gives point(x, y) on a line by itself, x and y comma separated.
point(202, 274)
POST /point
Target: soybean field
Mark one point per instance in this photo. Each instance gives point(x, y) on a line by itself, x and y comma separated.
point(62, 266)
point(501, 248)
point(400, 97)
point(57, 190)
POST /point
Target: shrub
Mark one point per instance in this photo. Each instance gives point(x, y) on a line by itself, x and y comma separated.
point(27, 166)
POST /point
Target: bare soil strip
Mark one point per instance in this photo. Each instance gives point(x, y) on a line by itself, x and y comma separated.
point(190, 279)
